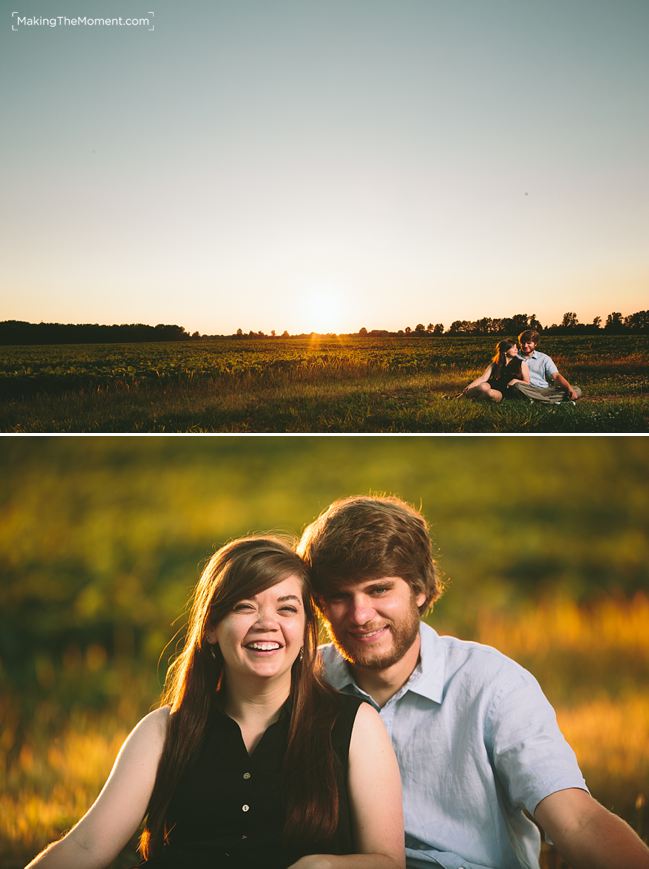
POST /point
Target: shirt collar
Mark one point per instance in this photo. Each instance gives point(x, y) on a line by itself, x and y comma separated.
point(339, 675)
point(427, 679)
point(428, 676)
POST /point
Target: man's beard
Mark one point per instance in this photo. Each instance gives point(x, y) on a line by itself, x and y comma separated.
point(403, 634)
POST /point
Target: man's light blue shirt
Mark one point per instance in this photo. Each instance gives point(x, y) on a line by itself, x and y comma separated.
point(478, 746)
point(542, 368)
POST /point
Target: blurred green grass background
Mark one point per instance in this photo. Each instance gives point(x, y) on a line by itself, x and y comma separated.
point(543, 542)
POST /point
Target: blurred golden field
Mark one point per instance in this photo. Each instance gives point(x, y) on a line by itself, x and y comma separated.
point(544, 544)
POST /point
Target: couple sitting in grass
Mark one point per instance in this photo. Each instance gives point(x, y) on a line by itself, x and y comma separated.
point(527, 373)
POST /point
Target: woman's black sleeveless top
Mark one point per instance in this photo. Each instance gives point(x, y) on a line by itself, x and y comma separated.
point(229, 807)
point(500, 377)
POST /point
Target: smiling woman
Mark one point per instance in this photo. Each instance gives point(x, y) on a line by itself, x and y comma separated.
point(251, 759)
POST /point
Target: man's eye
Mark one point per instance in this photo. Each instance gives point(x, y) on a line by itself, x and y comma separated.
point(381, 589)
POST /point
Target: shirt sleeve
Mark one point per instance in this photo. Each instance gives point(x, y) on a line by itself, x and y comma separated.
point(549, 368)
point(531, 757)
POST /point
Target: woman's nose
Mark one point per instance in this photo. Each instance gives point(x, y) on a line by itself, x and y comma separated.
point(266, 620)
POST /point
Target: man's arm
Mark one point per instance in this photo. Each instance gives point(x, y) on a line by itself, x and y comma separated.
point(561, 381)
point(587, 834)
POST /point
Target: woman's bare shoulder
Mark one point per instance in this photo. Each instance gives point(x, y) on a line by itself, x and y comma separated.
point(367, 715)
point(367, 724)
point(153, 727)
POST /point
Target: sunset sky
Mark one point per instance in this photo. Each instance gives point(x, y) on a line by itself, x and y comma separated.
point(324, 164)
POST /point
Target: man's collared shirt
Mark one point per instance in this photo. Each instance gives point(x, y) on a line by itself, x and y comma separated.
point(478, 745)
point(542, 368)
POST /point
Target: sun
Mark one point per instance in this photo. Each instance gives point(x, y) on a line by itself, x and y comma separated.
point(324, 309)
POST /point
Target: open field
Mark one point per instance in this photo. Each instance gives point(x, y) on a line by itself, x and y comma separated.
point(319, 384)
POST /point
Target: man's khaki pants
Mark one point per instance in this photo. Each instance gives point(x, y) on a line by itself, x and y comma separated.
point(547, 394)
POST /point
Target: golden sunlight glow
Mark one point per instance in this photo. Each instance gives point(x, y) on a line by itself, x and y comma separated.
point(324, 309)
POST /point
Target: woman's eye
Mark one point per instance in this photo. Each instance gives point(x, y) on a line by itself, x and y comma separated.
point(288, 609)
point(242, 607)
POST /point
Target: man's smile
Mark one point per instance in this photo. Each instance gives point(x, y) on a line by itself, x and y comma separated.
point(368, 636)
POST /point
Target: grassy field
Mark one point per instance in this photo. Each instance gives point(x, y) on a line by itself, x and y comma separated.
point(319, 384)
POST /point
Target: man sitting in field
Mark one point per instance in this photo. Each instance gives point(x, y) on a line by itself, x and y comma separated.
point(546, 383)
point(481, 755)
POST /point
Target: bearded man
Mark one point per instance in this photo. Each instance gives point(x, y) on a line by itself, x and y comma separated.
point(483, 762)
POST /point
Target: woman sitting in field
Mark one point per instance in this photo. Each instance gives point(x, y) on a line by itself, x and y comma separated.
point(251, 760)
point(503, 372)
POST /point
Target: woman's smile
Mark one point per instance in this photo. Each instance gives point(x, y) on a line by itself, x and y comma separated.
point(263, 647)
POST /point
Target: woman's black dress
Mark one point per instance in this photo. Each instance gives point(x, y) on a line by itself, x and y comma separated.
point(501, 375)
point(229, 807)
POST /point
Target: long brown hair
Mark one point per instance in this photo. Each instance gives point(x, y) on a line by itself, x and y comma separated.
point(240, 570)
point(499, 358)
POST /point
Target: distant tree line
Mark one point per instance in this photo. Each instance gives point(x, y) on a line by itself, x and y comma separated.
point(19, 332)
point(252, 334)
point(615, 323)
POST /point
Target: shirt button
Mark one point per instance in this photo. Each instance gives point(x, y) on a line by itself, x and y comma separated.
point(247, 775)
point(245, 807)
point(243, 836)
